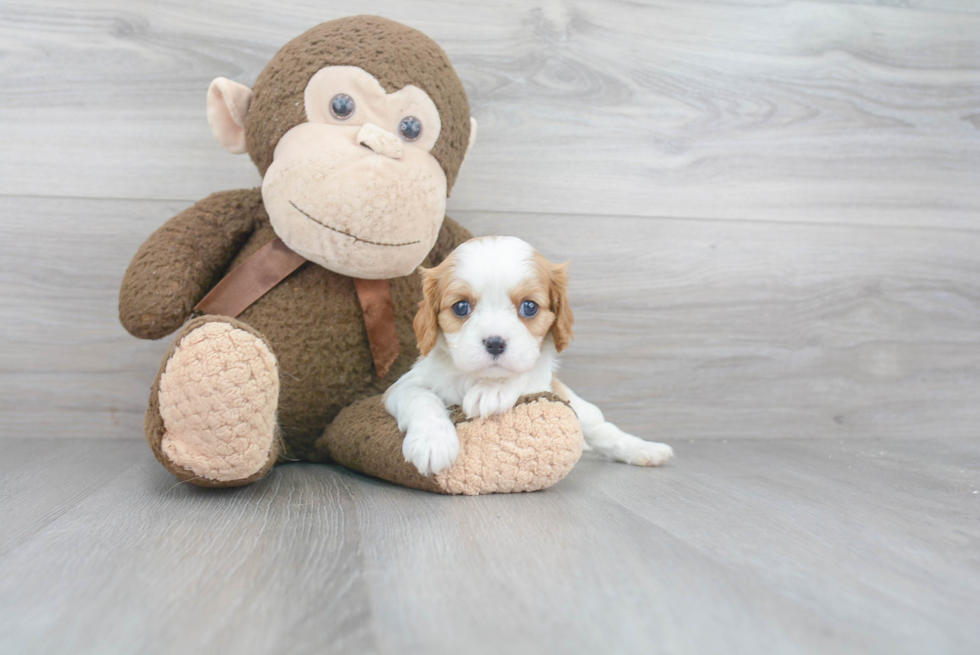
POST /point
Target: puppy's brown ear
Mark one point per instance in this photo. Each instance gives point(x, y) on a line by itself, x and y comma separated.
point(561, 329)
point(426, 322)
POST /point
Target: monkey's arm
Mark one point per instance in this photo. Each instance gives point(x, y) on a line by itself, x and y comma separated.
point(182, 260)
point(451, 235)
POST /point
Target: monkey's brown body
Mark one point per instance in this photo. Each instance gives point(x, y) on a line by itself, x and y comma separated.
point(312, 320)
point(357, 194)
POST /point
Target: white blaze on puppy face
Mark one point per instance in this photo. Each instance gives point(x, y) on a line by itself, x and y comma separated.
point(494, 275)
point(354, 190)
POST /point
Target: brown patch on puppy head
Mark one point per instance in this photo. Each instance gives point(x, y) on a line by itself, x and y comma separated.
point(440, 291)
point(537, 289)
point(426, 323)
point(439, 287)
point(395, 54)
point(452, 291)
point(556, 276)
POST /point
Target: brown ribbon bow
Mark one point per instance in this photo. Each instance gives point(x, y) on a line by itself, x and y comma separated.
point(271, 264)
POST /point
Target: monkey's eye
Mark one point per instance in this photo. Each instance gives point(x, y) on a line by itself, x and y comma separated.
point(529, 309)
point(342, 106)
point(410, 128)
point(461, 309)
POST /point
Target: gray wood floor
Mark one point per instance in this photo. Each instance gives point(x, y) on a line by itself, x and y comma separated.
point(772, 210)
point(752, 546)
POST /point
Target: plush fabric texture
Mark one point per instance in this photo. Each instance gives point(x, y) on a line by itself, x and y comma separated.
point(381, 141)
point(182, 260)
point(312, 320)
point(228, 103)
point(218, 397)
point(396, 54)
point(373, 217)
point(153, 424)
point(373, 104)
point(529, 448)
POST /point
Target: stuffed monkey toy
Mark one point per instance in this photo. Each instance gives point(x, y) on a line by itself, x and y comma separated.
point(294, 301)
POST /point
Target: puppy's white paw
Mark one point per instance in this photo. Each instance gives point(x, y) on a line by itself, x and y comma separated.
point(608, 440)
point(431, 445)
point(485, 400)
point(647, 453)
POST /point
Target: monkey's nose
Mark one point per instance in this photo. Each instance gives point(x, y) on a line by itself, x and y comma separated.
point(380, 141)
point(495, 345)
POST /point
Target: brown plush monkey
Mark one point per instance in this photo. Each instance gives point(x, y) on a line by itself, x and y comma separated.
point(301, 294)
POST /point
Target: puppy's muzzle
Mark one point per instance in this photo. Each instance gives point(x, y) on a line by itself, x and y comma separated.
point(495, 345)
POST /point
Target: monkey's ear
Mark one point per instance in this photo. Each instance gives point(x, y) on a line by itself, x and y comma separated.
point(472, 140)
point(227, 107)
point(469, 144)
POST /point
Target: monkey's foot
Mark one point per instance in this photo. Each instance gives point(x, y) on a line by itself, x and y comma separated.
point(218, 395)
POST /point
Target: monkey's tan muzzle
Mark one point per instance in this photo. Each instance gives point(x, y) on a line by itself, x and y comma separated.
point(380, 141)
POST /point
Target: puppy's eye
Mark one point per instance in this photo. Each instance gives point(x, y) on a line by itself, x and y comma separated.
point(528, 309)
point(462, 308)
point(342, 106)
point(410, 128)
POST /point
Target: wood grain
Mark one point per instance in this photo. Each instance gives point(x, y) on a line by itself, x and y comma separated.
point(806, 546)
point(166, 574)
point(31, 499)
point(803, 111)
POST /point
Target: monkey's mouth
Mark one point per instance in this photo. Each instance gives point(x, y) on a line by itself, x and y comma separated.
point(352, 236)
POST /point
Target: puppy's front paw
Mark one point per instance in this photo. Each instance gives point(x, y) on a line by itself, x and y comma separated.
point(486, 400)
point(648, 453)
point(431, 445)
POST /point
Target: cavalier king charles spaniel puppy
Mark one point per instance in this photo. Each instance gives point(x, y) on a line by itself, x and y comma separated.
point(493, 318)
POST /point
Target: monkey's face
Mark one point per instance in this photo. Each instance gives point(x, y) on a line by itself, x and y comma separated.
point(358, 141)
point(355, 189)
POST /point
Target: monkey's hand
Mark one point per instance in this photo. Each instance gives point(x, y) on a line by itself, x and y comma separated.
point(181, 261)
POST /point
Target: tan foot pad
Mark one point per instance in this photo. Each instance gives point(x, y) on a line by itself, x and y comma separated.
point(218, 399)
point(531, 447)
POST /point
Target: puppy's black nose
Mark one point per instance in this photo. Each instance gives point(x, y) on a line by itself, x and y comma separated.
point(494, 345)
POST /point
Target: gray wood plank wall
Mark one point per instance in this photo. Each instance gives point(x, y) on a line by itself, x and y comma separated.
point(772, 209)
